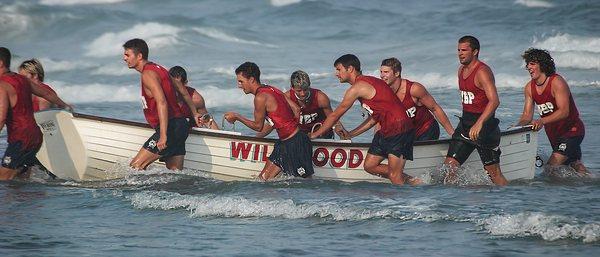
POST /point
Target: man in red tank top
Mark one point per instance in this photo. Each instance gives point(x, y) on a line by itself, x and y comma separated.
point(418, 102)
point(16, 112)
point(314, 106)
point(559, 115)
point(292, 153)
point(161, 110)
point(34, 70)
point(178, 73)
point(478, 128)
point(394, 140)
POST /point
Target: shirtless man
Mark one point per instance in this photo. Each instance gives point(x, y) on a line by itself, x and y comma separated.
point(394, 140)
point(34, 70)
point(293, 151)
point(314, 106)
point(418, 102)
point(478, 128)
point(555, 104)
point(161, 110)
point(16, 111)
point(179, 74)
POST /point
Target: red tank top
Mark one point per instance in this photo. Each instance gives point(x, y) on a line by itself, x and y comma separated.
point(420, 115)
point(282, 119)
point(546, 105)
point(20, 122)
point(473, 98)
point(310, 114)
point(36, 100)
point(385, 108)
point(149, 104)
point(186, 112)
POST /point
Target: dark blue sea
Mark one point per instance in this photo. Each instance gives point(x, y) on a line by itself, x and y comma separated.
point(161, 213)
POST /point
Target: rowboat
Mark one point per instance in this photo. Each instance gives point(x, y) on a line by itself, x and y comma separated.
point(86, 147)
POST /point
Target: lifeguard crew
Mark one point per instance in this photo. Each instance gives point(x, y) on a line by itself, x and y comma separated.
point(16, 112)
point(314, 106)
point(419, 104)
point(293, 151)
point(394, 140)
point(34, 70)
point(178, 73)
point(161, 110)
point(478, 128)
point(559, 115)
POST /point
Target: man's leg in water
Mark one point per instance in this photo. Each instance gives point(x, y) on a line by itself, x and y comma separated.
point(175, 162)
point(143, 159)
point(396, 171)
point(495, 174)
point(269, 171)
point(373, 165)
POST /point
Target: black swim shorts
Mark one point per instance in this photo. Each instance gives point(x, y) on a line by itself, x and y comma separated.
point(569, 147)
point(433, 133)
point(15, 157)
point(488, 144)
point(177, 133)
point(400, 145)
point(294, 155)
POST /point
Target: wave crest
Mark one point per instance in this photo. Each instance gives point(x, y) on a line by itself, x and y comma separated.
point(548, 227)
point(155, 34)
point(534, 3)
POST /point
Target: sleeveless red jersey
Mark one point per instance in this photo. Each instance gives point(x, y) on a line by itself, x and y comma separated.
point(385, 108)
point(282, 119)
point(186, 112)
point(474, 99)
point(20, 122)
point(149, 104)
point(546, 105)
point(310, 114)
point(36, 99)
point(420, 115)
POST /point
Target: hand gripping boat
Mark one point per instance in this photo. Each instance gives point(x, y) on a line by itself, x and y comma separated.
point(85, 147)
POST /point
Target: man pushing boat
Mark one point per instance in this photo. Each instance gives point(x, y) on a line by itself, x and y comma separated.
point(163, 113)
point(394, 140)
point(293, 151)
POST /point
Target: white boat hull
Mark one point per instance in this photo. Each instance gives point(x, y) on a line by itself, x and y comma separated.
point(224, 155)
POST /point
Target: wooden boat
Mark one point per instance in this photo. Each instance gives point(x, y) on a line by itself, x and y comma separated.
point(85, 147)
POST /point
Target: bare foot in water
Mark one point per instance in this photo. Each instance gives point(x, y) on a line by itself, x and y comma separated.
point(413, 181)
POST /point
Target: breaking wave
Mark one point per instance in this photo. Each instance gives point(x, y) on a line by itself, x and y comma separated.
point(535, 3)
point(239, 206)
point(548, 227)
point(155, 34)
point(79, 2)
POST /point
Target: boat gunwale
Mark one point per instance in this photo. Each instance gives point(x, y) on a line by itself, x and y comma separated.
point(272, 140)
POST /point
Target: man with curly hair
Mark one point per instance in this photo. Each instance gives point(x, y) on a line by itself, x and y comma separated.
point(559, 116)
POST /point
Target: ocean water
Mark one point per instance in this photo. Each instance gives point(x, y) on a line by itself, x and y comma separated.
point(158, 212)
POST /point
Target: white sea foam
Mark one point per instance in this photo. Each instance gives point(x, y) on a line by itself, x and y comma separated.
point(78, 2)
point(155, 34)
point(571, 51)
point(275, 77)
point(227, 71)
point(222, 36)
point(279, 3)
point(239, 206)
point(95, 92)
point(218, 97)
point(535, 3)
point(567, 42)
point(51, 65)
point(577, 60)
point(548, 227)
point(113, 70)
point(438, 80)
